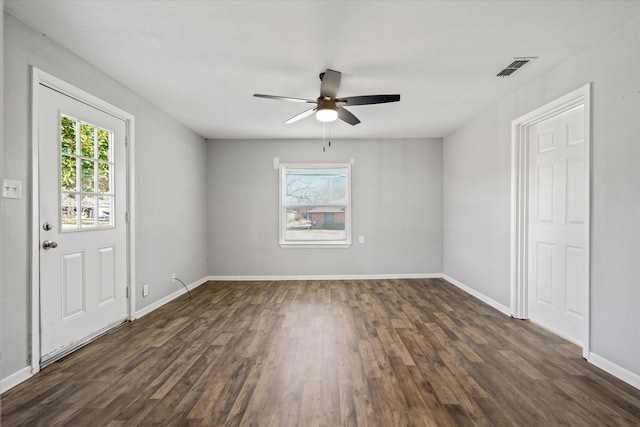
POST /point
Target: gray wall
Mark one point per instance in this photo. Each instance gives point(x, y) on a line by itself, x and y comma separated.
point(476, 209)
point(170, 182)
point(396, 198)
point(477, 190)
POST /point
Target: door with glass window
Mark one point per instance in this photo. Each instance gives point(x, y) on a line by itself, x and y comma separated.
point(82, 205)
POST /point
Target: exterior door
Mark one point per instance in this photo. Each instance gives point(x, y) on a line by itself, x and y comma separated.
point(557, 265)
point(82, 205)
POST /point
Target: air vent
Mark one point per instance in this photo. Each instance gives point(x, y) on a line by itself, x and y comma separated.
point(515, 66)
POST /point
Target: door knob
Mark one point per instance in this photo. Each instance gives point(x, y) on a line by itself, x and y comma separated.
point(49, 244)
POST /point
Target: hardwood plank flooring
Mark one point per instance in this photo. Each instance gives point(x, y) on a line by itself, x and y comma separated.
point(324, 353)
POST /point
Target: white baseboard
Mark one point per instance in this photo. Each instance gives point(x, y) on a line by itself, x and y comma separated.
point(15, 379)
point(153, 306)
point(326, 277)
point(615, 370)
point(493, 303)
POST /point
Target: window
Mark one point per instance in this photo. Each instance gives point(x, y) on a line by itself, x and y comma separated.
point(86, 168)
point(315, 205)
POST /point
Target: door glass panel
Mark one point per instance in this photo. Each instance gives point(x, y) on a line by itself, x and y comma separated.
point(68, 172)
point(87, 139)
point(104, 177)
point(88, 212)
point(69, 211)
point(104, 211)
point(68, 135)
point(88, 176)
point(104, 145)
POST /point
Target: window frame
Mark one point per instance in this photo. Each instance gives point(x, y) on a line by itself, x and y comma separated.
point(282, 210)
point(79, 192)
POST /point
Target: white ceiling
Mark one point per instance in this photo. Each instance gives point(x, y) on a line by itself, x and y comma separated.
point(201, 61)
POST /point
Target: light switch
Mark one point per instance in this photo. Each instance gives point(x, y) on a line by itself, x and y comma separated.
point(361, 239)
point(11, 189)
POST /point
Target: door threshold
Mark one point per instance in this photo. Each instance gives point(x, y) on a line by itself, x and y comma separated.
point(55, 356)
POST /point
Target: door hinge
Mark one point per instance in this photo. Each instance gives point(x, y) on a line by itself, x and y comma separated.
point(126, 141)
point(128, 292)
point(126, 217)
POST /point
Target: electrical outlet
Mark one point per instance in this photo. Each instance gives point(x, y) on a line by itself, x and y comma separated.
point(145, 290)
point(173, 276)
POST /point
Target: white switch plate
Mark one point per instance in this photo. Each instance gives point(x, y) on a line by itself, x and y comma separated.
point(145, 290)
point(361, 239)
point(11, 189)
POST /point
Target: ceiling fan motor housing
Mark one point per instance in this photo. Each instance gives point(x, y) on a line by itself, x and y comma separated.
point(327, 104)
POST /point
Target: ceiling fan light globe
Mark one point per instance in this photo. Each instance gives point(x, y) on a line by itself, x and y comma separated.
point(326, 115)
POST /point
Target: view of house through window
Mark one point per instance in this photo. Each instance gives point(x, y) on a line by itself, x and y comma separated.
point(314, 204)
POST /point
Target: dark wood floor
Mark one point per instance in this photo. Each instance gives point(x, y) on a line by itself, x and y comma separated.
point(324, 353)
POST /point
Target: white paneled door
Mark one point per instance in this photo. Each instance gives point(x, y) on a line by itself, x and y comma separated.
point(82, 204)
point(557, 265)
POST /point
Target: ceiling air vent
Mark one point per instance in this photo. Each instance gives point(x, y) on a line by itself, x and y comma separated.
point(515, 66)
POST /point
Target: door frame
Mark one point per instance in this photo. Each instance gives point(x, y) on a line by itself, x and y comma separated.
point(38, 78)
point(520, 201)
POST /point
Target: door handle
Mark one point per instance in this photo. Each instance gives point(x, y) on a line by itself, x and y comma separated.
point(49, 244)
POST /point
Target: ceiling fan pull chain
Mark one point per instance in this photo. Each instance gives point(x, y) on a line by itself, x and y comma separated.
point(324, 148)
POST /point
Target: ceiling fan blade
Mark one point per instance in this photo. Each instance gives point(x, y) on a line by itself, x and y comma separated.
point(284, 98)
point(368, 99)
point(347, 117)
point(330, 83)
point(301, 116)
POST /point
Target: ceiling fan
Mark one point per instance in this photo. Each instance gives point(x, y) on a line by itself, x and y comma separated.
point(328, 107)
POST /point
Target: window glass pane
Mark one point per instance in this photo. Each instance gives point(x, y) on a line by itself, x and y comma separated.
point(87, 140)
point(104, 145)
point(68, 173)
point(104, 211)
point(88, 214)
point(69, 211)
point(88, 175)
point(315, 223)
point(104, 177)
point(315, 187)
point(67, 135)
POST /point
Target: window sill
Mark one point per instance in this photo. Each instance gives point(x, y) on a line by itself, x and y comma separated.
point(315, 245)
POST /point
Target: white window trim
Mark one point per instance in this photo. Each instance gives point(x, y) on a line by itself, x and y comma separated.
point(343, 244)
